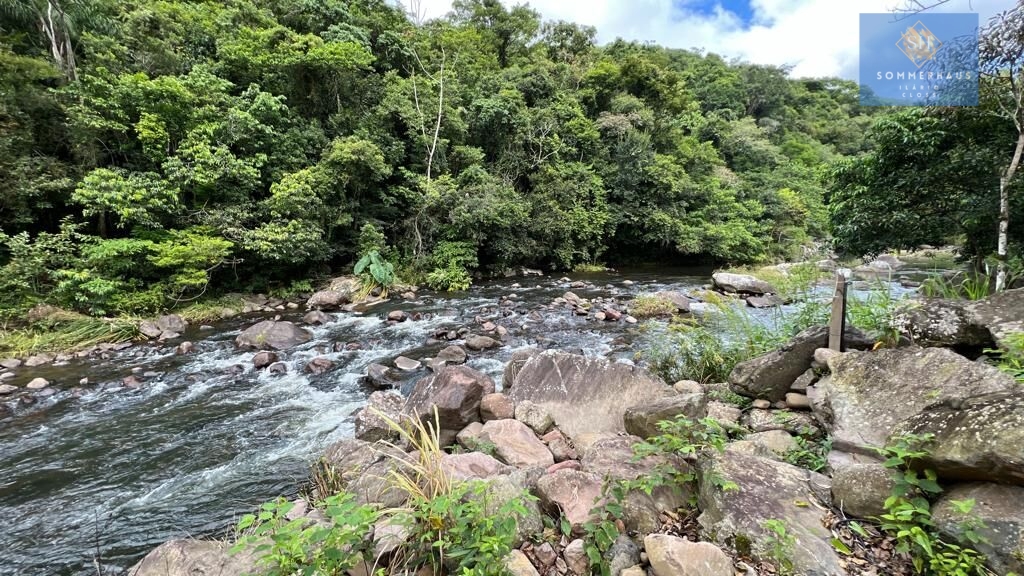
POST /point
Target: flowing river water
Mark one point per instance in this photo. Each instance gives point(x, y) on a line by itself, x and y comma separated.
point(112, 472)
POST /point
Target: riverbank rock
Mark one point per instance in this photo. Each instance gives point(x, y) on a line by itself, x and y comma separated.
point(452, 355)
point(456, 392)
point(868, 394)
point(263, 359)
point(171, 323)
point(514, 365)
point(770, 376)
point(674, 556)
point(741, 283)
point(584, 394)
point(196, 558)
point(1000, 509)
point(370, 426)
point(766, 490)
point(571, 493)
point(515, 444)
point(980, 438)
point(271, 334)
point(380, 377)
point(642, 420)
point(473, 466)
point(316, 317)
point(860, 485)
point(962, 324)
point(364, 469)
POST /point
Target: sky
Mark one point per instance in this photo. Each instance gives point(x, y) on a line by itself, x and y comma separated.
point(817, 37)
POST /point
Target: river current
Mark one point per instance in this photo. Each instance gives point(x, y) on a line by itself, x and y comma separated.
point(101, 477)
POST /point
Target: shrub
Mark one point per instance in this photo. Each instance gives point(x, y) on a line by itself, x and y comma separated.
point(452, 262)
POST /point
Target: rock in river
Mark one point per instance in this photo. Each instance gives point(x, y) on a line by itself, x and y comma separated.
point(271, 334)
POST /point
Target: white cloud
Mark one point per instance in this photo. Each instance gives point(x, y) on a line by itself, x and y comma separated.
point(817, 37)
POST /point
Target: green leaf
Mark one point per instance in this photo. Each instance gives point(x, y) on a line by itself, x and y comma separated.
point(839, 546)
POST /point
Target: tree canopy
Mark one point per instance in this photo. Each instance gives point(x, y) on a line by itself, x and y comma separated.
point(171, 146)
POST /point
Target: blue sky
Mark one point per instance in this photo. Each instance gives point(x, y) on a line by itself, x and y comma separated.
point(817, 37)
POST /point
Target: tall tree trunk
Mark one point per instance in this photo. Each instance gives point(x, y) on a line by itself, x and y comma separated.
point(1004, 213)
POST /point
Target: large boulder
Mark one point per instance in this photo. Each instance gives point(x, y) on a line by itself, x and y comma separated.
point(585, 394)
point(770, 376)
point(196, 558)
point(1000, 510)
point(741, 283)
point(456, 391)
point(978, 438)
point(961, 323)
point(273, 334)
point(868, 394)
point(740, 492)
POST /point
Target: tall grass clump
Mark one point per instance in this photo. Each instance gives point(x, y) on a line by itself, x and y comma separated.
point(446, 526)
point(66, 335)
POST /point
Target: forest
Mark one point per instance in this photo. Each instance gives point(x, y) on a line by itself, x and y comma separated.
point(153, 153)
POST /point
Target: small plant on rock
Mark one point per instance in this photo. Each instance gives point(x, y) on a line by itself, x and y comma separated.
point(908, 515)
point(779, 545)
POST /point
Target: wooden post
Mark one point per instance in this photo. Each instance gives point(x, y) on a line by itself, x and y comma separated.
point(837, 325)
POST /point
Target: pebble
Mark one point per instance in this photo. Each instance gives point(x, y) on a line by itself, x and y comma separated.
point(798, 401)
point(761, 404)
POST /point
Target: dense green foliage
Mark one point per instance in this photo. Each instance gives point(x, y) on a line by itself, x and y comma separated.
point(182, 147)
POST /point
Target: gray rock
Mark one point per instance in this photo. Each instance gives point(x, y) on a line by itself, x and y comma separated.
point(365, 470)
point(517, 564)
point(7, 389)
point(514, 365)
point(452, 355)
point(860, 486)
point(623, 554)
point(778, 442)
point(760, 302)
point(534, 416)
point(724, 414)
point(472, 466)
point(798, 423)
point(479, 343)
point(770, 376)
point(315, 317)
point(978, 438)
point(806, 380)
point(39, 360)
point(196, 558)
point(959, 323)
point(319, 365)
point(10, 363)
point(678, 299)
point(642, 420)
point(407, 364)
point(741, 283)
point(584, 394)
point(171, 323)
point(380, 377)
point(507, 488)
point(263, 359)
point(868, 394)
point(149, 329)
point(370, 426)
point(1000, 508)
point(766, 490)
point(270, 334)
point(37, 384)
point(328, 300)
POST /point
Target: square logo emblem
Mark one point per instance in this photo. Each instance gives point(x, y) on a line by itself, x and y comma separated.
point(923, 60)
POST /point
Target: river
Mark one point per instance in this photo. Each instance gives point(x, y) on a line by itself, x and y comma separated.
point(110, 473)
